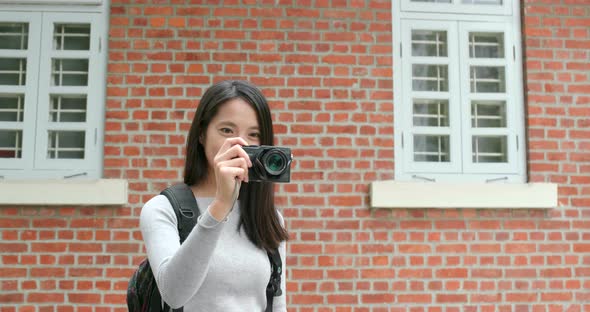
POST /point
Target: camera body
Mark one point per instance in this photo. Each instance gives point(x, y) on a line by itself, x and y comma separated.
point(269, 163)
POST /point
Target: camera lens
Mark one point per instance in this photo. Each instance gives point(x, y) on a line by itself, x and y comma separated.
point(275, 162)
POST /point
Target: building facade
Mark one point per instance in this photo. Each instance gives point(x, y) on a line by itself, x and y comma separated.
point(442, 149)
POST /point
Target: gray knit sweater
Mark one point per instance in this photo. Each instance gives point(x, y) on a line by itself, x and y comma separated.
point(216, 269)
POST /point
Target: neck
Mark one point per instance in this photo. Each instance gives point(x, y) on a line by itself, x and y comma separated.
point(206, 188)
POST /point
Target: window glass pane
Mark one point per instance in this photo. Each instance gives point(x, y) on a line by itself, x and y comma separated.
point(431, 148)
point(486, 45)
point(70, 108)
point(14, 36)
point(487, 79)
point(495, 2)
point(489, 149)
point(429, 43)
point(66, 144)
point(70, 72)
point(431, 113)
point(13, 71)
point(11, 142)
point(430, 77)
point(488, 114)
point(12, 107)
point(71, 37)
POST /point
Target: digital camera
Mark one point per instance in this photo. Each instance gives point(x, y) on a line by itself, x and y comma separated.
point(269, 163)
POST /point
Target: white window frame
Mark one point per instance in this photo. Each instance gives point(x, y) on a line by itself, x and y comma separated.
point(41, 18)
point(456, 6)
point(29, 90)
point(457, 19)
point(511, 111)
point(452, 95)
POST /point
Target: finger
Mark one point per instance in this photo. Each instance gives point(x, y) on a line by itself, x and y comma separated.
point(230, 142)
point(234, 172)
point(238, 140)
point(235, 151)
point(242, 153)
point(236, 162)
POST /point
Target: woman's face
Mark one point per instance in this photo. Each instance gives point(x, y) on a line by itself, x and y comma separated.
point(234, 118)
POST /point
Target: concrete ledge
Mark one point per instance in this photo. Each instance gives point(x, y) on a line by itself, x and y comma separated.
point(64, 192)
point(394, 194)
point(53, 2)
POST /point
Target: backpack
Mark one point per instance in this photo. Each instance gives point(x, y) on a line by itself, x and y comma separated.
point(142, 292)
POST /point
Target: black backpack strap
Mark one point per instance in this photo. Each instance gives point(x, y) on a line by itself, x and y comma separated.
point(274, 285)
point(185, 207)
point(155, 300)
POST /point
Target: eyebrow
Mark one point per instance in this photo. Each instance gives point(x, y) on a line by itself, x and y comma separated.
point(231, 124)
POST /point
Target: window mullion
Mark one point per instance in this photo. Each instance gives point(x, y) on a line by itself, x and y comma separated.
point(465, 85)
point(455, 96)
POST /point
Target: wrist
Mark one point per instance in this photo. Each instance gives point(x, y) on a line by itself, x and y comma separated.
point(219, 209)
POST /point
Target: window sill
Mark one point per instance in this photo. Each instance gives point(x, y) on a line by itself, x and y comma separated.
point(53, 2)
point(63, 192)
point(395, 194)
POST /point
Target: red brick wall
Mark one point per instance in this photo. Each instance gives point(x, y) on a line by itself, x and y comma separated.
point(326, 68)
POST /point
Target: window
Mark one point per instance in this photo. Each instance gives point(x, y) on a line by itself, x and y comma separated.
point(458, 91)
point(52, 84)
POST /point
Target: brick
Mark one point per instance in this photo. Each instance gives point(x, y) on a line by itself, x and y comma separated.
point(486, 273)
point(307, 274)
point(451, 298)
point(158, 11)
point(342, 299)
point(339, 59)
point(341, 249)
point(342, 274)
point(414, 298)
point(378, 274)
point(552, 297)
point(415, 248)
point(45, 297)
point(556, 273)
point(377, 298)
point(11, 298)
point(451, 273)
point(85, 298)
point(48, 272)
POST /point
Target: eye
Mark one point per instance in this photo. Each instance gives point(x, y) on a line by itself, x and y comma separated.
point(255, 135)
point(226, 130)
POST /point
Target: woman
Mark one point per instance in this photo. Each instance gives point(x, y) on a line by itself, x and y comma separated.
point(223, 264)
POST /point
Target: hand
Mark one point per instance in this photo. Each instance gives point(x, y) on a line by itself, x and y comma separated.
point(231, 163)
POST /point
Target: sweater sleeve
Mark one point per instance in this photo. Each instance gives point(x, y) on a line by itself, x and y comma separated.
point(179, 270)
point(280, 303)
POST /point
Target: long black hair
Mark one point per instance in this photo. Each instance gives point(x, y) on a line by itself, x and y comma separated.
point(258, 213)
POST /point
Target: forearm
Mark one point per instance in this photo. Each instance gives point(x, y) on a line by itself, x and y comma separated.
point(181, 275)
point(179, 269)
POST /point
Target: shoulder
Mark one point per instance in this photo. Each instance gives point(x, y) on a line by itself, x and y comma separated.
point(157, 208)
point(157, 203)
